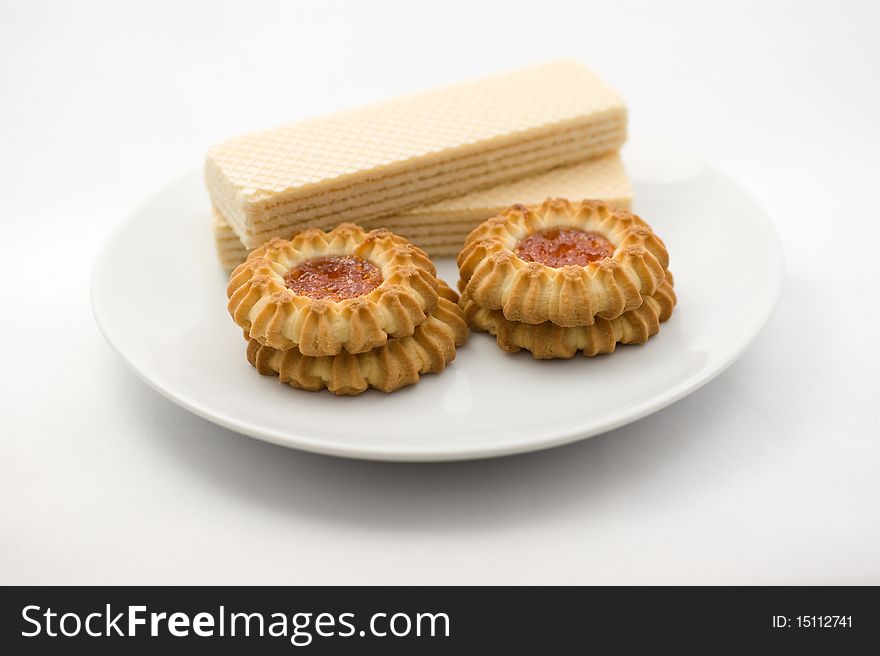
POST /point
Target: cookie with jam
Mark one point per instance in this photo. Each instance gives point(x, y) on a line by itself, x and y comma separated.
point(569, 263)
point(327, 292)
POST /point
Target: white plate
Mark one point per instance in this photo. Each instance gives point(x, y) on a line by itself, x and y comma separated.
point(159, 298)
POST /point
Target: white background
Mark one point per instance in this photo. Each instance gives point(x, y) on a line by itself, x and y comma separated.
point(770, 474)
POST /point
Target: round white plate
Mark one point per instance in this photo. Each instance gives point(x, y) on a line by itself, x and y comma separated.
point(158, 295)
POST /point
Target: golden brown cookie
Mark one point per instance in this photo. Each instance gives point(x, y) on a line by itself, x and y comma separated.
point(564, 262)
point(399, 362)
point(547, 340)
point(325, 292)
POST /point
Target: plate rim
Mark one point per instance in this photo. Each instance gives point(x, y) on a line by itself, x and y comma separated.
point(416, 453)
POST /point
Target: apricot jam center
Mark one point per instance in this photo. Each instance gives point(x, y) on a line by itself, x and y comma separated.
point(559, 247)
point(334, 278)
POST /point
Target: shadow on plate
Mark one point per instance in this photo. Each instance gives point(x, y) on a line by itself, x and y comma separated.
point(522, 489)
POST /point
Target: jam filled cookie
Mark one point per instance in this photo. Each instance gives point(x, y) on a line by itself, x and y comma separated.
point(399, 362)
point(327, 292)
point(547, 340)
point(563, 262)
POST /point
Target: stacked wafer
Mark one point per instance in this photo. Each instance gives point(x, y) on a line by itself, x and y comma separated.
point(429, 166)
point(440, 228)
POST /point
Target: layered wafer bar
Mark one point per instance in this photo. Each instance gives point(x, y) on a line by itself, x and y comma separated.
point(388, 158)
point(441, 228)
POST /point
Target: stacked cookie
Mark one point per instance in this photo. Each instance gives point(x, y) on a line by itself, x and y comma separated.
point(429, 166)
point(345, 310)
point(563, 277)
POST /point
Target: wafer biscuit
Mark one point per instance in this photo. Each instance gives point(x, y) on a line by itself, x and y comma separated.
point(441, 228)
point(387, 158)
